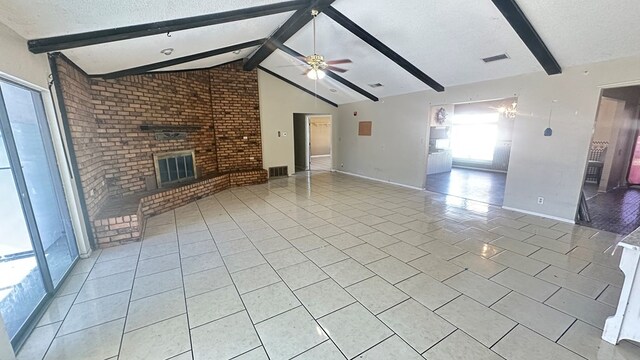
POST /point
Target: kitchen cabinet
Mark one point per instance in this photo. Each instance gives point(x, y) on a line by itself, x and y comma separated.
point(439, 162)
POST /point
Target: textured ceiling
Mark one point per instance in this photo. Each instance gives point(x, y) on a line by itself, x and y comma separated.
point(446, 39)
point(44, 18)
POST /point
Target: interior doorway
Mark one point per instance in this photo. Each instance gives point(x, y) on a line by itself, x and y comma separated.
point(611, 187)
point(312, 142)
point(469, 149)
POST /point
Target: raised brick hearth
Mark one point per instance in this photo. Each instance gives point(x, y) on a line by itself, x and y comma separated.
point(122, 219)
point(220, 107)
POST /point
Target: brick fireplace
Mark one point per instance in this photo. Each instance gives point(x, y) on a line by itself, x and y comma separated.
point(121, 127)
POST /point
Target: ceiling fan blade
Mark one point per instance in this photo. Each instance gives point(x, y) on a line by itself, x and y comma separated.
point(339, 61)
point(336, 69)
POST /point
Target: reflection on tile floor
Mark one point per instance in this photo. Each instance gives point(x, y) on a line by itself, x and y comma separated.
point(477, 185)
point(335, 267)
point(320, 163)
point(616, 211)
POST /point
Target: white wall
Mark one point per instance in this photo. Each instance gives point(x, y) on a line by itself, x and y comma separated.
point(278, 102)
point(551, 167)
point(396, 150)
point(612, 111)
point(320, 135)
point(20, 65)
point(604, 119)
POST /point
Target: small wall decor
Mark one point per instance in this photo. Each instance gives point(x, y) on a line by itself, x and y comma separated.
point(548, 131)
point(364, 128)
point(441, 115)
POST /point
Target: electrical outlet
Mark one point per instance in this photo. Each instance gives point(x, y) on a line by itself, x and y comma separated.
point(540, 200)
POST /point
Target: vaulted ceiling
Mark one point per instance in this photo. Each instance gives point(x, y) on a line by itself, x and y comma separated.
point(445, 39)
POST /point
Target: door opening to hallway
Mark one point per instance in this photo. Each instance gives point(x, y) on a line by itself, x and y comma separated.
point(611, 187)
point(312, 142)
point(320, 142)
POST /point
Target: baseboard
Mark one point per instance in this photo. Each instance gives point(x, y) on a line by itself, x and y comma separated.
point(478, 169)
point(539, 214)
point(379, 180)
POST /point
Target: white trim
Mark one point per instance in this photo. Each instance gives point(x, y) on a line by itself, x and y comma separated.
point(620, 84)
point(540, 214)
point(23, 83)
point(379, 180)
point(70, 190)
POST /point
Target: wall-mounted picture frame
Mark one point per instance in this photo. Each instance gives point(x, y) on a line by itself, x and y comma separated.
point(364, 128)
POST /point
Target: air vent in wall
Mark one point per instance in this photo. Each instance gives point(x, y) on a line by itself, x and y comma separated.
point(278, 171)
point(376, 85)
point(495, 58)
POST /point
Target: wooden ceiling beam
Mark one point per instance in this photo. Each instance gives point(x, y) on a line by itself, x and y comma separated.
point(519, 22)
point(330, 74)
point(299, 19)
point(57, 43)
point(382, 48)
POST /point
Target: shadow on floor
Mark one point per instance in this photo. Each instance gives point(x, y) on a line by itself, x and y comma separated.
point(478, 185)
point(617, 211)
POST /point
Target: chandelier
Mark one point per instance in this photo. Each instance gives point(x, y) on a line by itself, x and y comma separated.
point(509, 112)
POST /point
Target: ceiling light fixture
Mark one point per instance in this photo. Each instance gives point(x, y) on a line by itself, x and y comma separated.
point(167, 51)
point(316, 74)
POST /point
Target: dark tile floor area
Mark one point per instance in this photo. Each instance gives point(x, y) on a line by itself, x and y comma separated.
point(616, 211)
point(478, 185)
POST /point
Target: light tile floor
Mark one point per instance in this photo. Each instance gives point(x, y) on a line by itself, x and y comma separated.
point(328, 266)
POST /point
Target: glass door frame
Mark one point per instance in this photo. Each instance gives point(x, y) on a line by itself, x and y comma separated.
point(27, 209)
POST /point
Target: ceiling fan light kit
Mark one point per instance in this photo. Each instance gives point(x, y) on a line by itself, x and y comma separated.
point(316, 74)
point(317, 65)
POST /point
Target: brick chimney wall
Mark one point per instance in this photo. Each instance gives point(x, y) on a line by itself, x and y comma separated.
point(114, 155)
point(85, 135)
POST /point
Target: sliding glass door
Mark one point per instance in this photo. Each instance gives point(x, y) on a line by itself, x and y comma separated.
point(37, 244)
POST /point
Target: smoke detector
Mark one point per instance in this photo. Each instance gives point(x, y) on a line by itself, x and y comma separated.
point(376, 85)
point(167, 51)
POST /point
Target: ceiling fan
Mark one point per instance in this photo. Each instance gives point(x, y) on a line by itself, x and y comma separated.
point(317, 64)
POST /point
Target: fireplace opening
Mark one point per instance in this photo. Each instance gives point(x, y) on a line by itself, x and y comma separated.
point(174, 167)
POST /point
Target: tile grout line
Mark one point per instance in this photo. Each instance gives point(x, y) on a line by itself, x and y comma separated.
point(356, 301)
point(230, 277)
point(73, 303)
point(129, 302)
point(184, 290)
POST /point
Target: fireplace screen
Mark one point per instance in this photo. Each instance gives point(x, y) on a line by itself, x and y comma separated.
point(175, 167)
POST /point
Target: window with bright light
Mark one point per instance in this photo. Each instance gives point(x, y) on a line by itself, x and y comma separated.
point(473, 136)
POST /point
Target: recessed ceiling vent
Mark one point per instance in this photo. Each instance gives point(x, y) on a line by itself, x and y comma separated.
point(376, 85)
point(495, 58)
